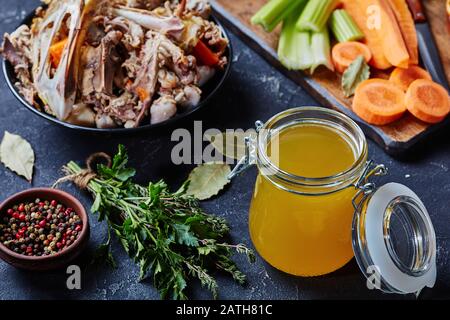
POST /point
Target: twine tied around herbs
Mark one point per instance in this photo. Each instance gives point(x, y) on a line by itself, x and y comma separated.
point(82, 178)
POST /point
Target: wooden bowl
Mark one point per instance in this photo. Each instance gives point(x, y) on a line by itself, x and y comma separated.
point(60, 259)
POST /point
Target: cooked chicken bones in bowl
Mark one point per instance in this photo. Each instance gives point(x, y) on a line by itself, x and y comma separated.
point(116, 63)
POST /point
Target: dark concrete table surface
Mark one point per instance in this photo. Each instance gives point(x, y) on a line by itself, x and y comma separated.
point(254, 91)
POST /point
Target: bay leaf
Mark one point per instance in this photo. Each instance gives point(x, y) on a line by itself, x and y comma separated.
point(357, 72)
point(208, 179)
point(17, 154)
point(232, 143)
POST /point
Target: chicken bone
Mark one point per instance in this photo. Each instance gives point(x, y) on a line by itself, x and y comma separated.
point(169, 25)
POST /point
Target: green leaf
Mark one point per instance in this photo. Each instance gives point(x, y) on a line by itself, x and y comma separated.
point(184, 236)
point(208, 179)
point(17, 155)
point(120, 159)
point(96, 205)
point(104, 171)
point(104, 254)
point(144, 263)
point(180, 283)
point(357, 72)
point(204, 250)
point(125, 174)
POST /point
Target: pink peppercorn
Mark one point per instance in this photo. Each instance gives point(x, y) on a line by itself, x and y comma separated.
point(42, 223)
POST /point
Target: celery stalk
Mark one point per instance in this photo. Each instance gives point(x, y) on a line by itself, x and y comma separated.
point(344, 27)
point(320, 48)
point(275, 11)
point(294, 47)
point(316, 14)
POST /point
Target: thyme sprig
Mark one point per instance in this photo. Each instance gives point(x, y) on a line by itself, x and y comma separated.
point(168, 234)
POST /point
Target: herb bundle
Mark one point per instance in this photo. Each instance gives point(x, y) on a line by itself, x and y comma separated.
point(167, 234)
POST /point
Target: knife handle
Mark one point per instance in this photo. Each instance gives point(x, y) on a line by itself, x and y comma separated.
point(416, 8)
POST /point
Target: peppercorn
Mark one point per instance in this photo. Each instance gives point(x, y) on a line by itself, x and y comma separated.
point(39, 228)
point(42, 223)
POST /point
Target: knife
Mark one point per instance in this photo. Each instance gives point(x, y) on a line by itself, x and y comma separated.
point(427, 46)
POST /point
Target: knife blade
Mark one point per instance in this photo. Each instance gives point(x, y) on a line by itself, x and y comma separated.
point(427, 45)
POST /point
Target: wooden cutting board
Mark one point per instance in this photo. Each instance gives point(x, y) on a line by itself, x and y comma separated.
point(324, 85)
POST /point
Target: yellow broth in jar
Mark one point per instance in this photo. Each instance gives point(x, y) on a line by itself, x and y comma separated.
point(305, 235)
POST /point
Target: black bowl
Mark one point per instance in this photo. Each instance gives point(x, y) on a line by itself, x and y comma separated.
point(208, 91)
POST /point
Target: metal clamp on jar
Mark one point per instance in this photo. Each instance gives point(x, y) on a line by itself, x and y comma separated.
point(314, 225)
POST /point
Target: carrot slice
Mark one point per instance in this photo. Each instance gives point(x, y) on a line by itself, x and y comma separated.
point(404, 77)
point(56, 52)
point(388, 30)
point(379, 102)
point(205, 55)
point(371, 39)
point(408, 28)
point(344, 53)
point(427, 101)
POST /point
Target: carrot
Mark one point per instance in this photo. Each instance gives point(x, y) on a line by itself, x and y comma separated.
point(344, 53)
point(408, 29)
point(379, 102)
point(372, 40)
point(205, 55)
point(448, 15)
point(388, 30)
point(427, 101)
point(56, 52)
point(142, 93)
point(404, 77)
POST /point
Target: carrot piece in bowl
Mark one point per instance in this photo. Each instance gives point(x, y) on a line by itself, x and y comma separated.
point(404, 77)
point(379, 102)
point(56, 52)
point(427, 101)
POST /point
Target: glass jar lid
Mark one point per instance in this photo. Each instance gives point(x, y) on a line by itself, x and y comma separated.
point(394, 240)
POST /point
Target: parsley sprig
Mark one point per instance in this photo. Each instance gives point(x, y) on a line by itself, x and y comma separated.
point(168, 234)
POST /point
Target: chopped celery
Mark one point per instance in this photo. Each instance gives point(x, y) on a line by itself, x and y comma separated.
point(316, 14)
point(275, 11)
point(320, 48)
point(294, 47)
point(344, 27)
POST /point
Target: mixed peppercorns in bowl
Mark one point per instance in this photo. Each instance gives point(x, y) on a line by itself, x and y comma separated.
point(42, 229)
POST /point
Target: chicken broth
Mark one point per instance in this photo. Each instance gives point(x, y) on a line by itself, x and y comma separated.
point(305, 235)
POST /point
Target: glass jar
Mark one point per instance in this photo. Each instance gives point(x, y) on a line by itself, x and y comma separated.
point(302, 225)
point(312, 224)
